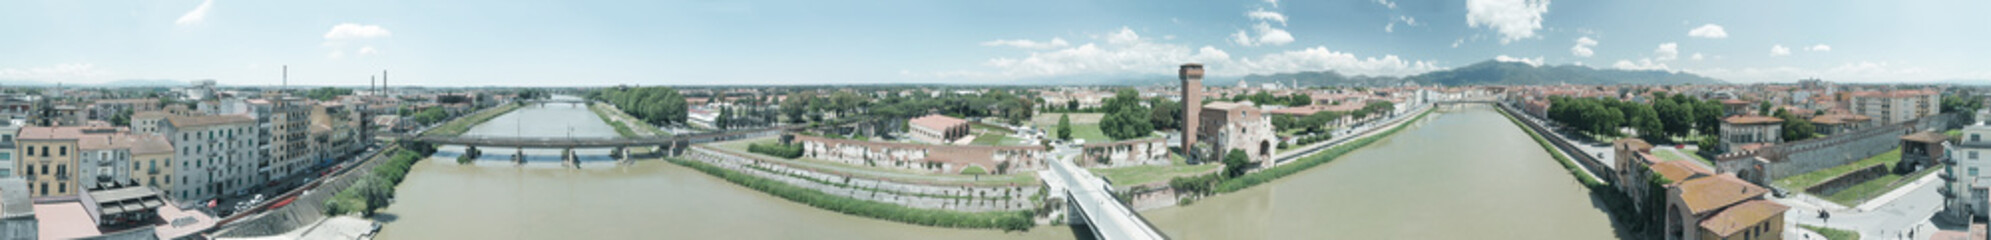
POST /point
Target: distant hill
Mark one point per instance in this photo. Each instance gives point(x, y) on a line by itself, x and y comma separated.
point(1494, 73)
point(117, 83)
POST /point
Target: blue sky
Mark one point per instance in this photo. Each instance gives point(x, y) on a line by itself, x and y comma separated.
point(567, 43)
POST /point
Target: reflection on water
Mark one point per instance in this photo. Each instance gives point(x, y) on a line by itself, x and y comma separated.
point(1462, 173)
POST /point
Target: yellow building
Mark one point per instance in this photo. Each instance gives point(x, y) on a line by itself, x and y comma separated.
point(152, 161)
point(48, 159)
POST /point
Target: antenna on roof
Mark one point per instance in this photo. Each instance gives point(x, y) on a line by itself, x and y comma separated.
point(286, 78)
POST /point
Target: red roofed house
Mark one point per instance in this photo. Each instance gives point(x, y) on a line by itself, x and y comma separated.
point(939, 129)
point(1746, 129)
point(1721, 207)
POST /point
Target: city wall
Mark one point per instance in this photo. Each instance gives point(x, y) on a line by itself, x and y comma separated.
point(949, 158)
point(1800, 157)
point(1151, 151)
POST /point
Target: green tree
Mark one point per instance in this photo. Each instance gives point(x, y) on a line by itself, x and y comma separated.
point(1795, 127)
point(1764, 109)
point(1065, 127)
point(1165, 114)
point(1236, 163)
point(1707, 117)
point(1126, 118)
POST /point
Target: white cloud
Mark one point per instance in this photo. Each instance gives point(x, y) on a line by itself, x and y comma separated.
point(195, 16)
point(1698, 57)
point(1819, 48)
point(1125, 52)
point(1389, 27)
point(1851, 71)
point(368, 51)
point(345, 31)
point(1263, 15)
point(1455, 43)
point(1267, 35)
point(1582, 48)
point(69, 72)
point(1387, 3)
point(1667, 52)
point(1779, 50)
point(1407, 21)
point(1028, 44)
point(1641, 64)
point(1275, 3)
point(1708, 31)
point(1537, 61)
point(1514, 19)
point(1319, 58)
point(336, 54)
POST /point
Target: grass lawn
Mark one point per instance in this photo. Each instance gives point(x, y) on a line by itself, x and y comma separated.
point(461, 124)
point(1858, 194)
point(1682, 154)
point(627, 129)
point(1806, 180)
point(1833, 233)
point(1090, 132)
point(1137, 175)
point(984, 127)
point(1050, 120)
point(890, 174)
point(1953, 133)
point(995, 139)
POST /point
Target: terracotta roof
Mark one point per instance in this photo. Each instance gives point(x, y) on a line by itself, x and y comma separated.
point(1839, 118)
point(1226, 106)
point(1742, 216)
point(1751, 119)
point(50, 133)
point(99, 142)
point(1926, 137)
point(1634, 144)
point(937, 121)
point(1679, 171)
point(208, 120)
point(1709, 193)
point(149, 144)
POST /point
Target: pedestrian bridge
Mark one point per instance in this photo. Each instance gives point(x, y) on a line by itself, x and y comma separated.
point(1089, 201)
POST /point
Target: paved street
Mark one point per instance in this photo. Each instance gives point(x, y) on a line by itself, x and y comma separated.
point(1911, 210)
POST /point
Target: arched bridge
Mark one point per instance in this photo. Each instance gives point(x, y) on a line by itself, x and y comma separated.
point(677, 141)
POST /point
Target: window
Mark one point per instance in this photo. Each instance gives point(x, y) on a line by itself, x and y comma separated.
point(31, 151)
point(1973, 171)
point(44, 189)
point(62, 187)
point(1973, 155)
point(65, 151)
point(44, 151)
point(1974, 137)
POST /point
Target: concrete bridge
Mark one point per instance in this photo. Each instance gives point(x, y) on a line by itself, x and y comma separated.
point(673, 144)
point(1089, 201)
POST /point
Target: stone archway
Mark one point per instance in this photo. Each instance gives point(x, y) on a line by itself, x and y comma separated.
point(1264, 148)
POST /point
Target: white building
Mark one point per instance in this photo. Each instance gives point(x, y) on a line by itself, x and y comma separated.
point(1897, 106)
point(213, 154)
point(1969, 173)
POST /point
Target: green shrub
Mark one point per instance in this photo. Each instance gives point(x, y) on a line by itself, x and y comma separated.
point(789, 151)
point(974, 170)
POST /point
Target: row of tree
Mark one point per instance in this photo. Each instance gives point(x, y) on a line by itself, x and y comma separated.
point(653, 105)
point(1664, 118)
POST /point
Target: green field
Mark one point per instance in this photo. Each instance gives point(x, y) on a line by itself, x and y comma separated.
point(1681, 154)
point(1090, 132)
point(1137, 175)
point(1833, 233)
point(1016, 177)
point(462, 124)
point(1802, 181)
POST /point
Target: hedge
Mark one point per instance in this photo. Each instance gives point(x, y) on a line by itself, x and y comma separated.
point(789, 151)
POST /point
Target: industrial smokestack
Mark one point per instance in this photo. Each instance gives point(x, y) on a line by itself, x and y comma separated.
point(286, 78)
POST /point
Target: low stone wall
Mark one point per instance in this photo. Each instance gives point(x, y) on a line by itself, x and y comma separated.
point(956, 198)
point(927, 157)
point(1151, 151)
point(1800, 157)
point(1589, 162)
point(1843, 181)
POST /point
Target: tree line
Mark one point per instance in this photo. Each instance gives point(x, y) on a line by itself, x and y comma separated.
point(1664, 118)
point(653, 105)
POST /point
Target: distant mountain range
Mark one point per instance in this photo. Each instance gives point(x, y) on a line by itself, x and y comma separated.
point(1491, 73)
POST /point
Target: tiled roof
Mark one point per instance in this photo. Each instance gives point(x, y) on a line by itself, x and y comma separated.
point(1926, 137)
point(1742, 216)
point(1679, 171)
point(937, 121)
point(1709, 193)
point(1751, 119)
point(50, 133)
